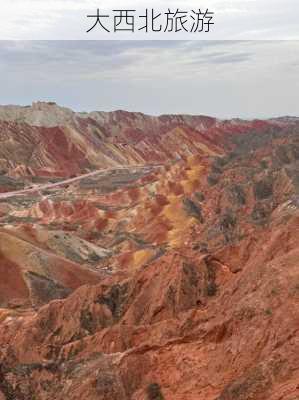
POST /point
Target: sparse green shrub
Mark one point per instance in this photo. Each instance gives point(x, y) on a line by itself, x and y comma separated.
point(287, 153)
point(94, 257)
point(220, 162)
point(238, 194)
point(202, 247)
point(211, 289)
point(199, 196)
point(213, 179)
point(268, 312)
point(193, 209)
point(87, 321)
point(263, 189)
point(228, 221)
point(264, 164)
point(216, 170)
point(260, 214)
point(154, 392)
point(281, 154)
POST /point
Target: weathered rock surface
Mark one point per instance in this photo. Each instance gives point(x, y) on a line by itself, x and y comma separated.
point(177, 283)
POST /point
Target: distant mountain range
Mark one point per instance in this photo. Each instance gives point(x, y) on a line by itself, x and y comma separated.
point(47, 140)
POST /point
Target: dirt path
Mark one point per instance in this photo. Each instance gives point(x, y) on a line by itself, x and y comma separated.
point(37, 188)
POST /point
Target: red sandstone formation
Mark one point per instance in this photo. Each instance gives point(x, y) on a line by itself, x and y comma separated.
point(177, 283)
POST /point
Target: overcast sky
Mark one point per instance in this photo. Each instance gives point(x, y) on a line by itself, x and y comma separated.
point(223, 79)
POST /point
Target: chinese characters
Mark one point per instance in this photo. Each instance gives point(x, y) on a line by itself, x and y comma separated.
point(124, 20)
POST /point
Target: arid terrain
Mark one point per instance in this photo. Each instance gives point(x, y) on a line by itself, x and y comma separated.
point(148, 258)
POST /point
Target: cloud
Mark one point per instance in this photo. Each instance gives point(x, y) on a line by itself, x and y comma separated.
point(222, 78)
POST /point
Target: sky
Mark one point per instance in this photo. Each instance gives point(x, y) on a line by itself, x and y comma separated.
point(246, 79)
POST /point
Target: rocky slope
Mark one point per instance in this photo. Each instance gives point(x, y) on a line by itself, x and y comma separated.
point(45, 140)
point(178, 282)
